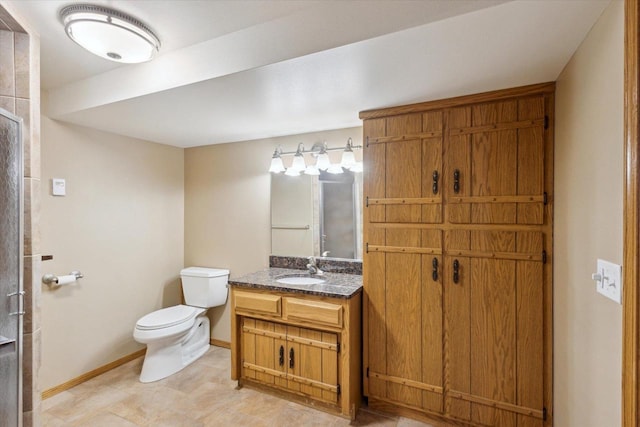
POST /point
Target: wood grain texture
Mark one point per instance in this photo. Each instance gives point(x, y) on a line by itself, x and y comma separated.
point(457, 336)
point(403, 321)
point(321, 362)
point(476, 333)
point(631, 216)
point(313, 311)
point(257, 303)
point(541, 88)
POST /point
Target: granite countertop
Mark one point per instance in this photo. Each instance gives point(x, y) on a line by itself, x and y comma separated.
point(336, 285)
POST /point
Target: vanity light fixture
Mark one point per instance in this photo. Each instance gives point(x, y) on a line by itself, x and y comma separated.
point(109, 33)
point(319, 151)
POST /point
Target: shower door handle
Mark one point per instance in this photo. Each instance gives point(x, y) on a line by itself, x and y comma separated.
point(7, 345)
point(20, 295)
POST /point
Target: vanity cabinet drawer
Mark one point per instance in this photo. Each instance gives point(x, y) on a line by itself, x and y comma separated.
point(313, 311)
point(258, 303)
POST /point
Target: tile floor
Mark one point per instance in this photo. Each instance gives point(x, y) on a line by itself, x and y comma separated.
point(200, 395)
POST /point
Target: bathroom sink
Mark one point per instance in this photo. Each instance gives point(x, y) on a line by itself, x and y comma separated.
point(299, 280)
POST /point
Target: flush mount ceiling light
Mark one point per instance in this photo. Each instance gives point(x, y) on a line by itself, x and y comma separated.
point(109, 33)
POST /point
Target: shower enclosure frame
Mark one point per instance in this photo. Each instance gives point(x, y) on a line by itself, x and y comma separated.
point(16, 298)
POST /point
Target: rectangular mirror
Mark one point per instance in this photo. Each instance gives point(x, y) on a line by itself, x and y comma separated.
point(317, 215)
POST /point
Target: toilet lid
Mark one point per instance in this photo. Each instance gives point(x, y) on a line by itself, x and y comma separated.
point(167, 317)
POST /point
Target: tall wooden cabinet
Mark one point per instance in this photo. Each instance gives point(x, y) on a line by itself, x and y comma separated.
point(457, 264)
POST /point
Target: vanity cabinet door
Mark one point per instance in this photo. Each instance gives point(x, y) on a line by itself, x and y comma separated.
point(313, 363)
point(261, 342)
point(301, 360)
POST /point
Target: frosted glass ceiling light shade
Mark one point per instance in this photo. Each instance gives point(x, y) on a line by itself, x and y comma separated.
point(109, 34)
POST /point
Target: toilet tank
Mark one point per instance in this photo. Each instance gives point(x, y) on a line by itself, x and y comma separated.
point(204, 287)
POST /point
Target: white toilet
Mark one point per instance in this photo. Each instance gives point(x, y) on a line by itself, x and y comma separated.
point(178, 335)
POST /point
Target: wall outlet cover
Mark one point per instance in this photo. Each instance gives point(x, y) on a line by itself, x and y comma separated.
point(609, 280)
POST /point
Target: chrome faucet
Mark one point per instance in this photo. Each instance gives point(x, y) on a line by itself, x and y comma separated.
point(312, 267)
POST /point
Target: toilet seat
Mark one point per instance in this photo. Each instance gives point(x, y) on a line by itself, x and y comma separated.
point(168, 317)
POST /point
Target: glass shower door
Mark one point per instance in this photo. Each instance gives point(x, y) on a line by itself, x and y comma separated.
point(11, 290)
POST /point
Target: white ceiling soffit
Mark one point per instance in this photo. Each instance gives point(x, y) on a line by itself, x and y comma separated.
point(287, 76)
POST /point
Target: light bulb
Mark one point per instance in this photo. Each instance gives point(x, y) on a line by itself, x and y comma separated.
point(348, 159)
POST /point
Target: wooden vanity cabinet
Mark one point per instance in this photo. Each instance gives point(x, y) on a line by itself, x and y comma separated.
point(307, 347)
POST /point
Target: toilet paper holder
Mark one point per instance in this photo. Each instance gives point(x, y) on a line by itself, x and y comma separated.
point(50, 279)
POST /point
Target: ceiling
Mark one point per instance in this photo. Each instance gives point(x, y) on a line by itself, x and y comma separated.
point(239, 70)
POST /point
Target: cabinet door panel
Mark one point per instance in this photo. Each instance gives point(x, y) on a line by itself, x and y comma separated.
point(432, 163)
point(265, 351)
point(281, 343)
point(248, 348)
point(293, 351)
point(374, 273)
point(404, 179)
point(431, 311)
point(374, 174)
point(493, 159)
point(493, 337)
point(329, 366)
point(315, 365)
point(457, 326)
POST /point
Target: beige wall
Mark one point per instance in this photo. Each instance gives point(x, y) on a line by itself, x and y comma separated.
point(227, 205)
point(20, 95)
point(588, 225)
point(122, 225)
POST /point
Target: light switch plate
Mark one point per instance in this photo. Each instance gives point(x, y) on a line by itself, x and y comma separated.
point(609, 280)
point(58, 187)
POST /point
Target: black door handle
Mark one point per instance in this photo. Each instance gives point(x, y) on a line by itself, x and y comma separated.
point(456, 271)
point(456, 181)
point(281, 359)
point(435, 182)
point(291, 355)
point(434, 273)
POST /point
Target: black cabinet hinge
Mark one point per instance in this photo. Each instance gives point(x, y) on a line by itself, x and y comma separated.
point(544, 257)
point(367, 144)
point(338, 390)
point(366, 202)
point(544, 414)
point(338, 348)
point(366, 247)
point(545, 198)
point(367, 372)
point(546, 122)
